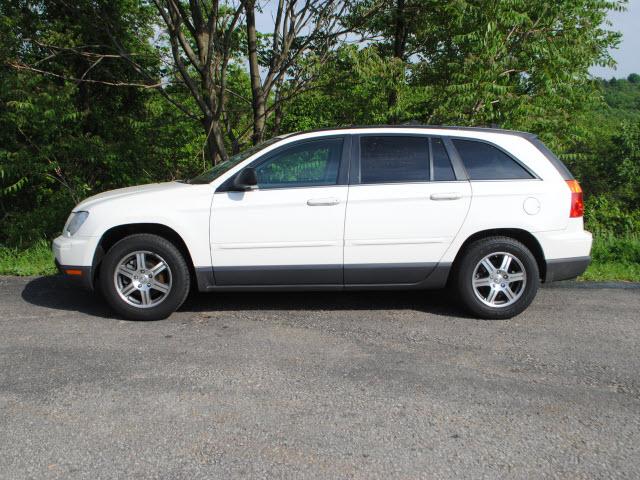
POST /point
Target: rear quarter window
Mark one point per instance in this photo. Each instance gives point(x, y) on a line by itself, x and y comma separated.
point(486, 162)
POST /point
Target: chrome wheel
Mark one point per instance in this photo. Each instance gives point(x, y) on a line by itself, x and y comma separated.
point(499, 279)
point(143, 279)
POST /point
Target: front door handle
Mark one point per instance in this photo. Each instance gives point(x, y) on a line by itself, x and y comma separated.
point(446, 196)
point(322, 202)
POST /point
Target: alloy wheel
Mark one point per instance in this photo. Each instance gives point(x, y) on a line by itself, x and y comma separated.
point(143, 279)
point(499, 279)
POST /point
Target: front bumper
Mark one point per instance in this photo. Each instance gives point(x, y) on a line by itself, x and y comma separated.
point(74, 258)
point(82, 276)
point(566, 268)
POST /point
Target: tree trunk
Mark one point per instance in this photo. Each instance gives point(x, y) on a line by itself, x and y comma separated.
point(400, 37)
point(399, 46)
point(258, 102)
point(277, 119)
point(214, 145)
point(215, 148)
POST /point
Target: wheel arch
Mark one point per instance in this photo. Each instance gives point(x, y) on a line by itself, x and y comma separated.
point(523, 236)
point(114, 234)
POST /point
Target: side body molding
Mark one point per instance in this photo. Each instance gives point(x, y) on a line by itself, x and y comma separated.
point(322, 277)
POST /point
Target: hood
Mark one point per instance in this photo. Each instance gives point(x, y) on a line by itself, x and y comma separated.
point(139, 190)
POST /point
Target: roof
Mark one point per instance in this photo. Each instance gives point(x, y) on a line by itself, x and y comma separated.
point(526, 135)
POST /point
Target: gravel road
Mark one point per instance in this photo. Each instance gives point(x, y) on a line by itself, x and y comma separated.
point(351, 385)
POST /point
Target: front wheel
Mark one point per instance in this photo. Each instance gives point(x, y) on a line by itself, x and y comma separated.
point(497, 278)
point(144, 277)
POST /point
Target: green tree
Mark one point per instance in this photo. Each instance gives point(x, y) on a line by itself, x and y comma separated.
point(62, 139)
point(98, 94)
point(516, 63)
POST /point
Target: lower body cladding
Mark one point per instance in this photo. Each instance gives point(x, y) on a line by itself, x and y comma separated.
point(324, 277)
point(565, 268)
point(415, 276)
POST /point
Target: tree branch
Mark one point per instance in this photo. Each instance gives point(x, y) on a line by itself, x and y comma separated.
point(21, 66)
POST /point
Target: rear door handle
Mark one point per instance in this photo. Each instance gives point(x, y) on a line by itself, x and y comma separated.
point(446, 196)
point(322, 202)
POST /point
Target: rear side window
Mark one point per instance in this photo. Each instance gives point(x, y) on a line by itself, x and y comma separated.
point(394, 159)
point(486, 162)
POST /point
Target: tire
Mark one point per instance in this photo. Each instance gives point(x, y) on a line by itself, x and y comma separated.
point(144, 277)
point(499, 293)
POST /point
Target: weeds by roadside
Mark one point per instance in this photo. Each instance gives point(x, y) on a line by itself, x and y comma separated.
point(614, 258)
point(34, 260)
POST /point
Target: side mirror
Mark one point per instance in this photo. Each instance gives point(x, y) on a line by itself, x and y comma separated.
point(246, 179)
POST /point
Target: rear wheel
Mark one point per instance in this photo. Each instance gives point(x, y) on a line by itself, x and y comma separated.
point(497, 278)
point(144, 277)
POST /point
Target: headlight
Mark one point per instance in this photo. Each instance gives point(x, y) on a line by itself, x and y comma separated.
point(76, 219)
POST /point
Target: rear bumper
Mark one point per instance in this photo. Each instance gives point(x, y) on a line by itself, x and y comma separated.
point(566, 268)
point(561, 245)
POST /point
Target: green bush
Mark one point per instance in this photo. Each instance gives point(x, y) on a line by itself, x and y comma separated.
point(611, 248)
point(605, 216)
point(614, 258)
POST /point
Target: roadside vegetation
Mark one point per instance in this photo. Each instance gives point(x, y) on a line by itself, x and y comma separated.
point(36, 259)
point(614, 258)
point(96, 95)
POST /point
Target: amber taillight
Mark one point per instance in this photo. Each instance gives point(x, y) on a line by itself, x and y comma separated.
point(577, 203)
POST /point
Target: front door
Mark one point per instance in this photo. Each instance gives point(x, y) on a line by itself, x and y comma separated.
point(288, 231)
point(406, 205)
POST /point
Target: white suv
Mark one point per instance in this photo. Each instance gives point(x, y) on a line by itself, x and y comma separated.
point(489, 212)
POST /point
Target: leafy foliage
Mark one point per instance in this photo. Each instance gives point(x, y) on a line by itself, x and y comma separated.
point(85, 125)
point(62, 141)
point(607, 159)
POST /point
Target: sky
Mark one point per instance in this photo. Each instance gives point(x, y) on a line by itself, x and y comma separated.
point(627, 55)
point(628, 52)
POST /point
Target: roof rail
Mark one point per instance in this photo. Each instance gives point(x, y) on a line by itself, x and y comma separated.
point(414, 124)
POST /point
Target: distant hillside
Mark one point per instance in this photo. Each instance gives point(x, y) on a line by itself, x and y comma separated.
point(623, 97)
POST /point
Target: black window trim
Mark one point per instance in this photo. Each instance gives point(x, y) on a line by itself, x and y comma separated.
point(453, 148)
point(456, 163)
point(343, 167)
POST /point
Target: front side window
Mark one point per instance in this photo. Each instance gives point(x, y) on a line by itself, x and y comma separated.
point(312, 163)
point(224, 167)
point(486, 162)
point(392, 159)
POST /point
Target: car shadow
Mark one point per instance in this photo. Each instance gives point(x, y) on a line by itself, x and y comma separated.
point(58, 292)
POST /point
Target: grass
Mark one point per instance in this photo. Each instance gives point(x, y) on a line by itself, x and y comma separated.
point(614, 259)
point(611, 271)
point(34, 260)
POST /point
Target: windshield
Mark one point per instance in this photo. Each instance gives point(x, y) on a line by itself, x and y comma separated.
point(222, 167)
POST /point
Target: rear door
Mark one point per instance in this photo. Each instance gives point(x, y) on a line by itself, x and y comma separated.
point(407, 202)
point(288, 231)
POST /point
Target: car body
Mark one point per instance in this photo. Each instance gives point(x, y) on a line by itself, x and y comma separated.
point(354, 208)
